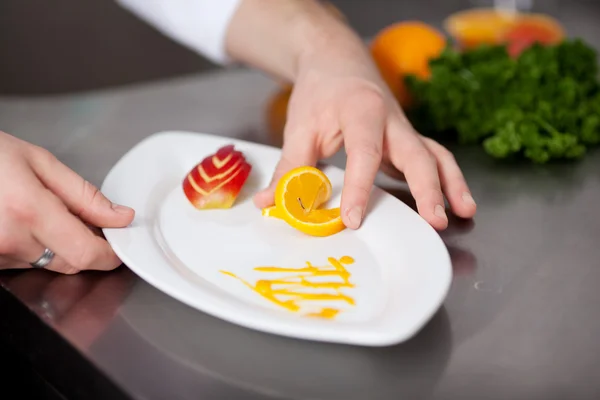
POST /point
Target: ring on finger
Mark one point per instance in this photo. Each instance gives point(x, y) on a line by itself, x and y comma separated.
point(44, 259)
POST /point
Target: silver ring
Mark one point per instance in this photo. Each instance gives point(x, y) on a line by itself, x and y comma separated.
point(44, 260)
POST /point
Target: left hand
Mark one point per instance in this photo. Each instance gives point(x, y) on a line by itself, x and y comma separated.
point(340, 99)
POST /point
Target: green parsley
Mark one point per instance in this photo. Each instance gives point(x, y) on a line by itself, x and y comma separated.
point(543, 105)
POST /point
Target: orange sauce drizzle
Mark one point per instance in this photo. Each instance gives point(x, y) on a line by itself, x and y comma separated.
point(288, 292)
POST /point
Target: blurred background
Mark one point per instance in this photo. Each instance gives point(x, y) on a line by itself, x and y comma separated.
point(62, 46)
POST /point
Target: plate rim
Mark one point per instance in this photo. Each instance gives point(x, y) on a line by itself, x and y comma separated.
point(373, 339)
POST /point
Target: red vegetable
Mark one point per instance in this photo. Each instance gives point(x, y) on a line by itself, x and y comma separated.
point(217, 181)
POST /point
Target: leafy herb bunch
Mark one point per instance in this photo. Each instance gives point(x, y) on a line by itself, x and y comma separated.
point(543, 105)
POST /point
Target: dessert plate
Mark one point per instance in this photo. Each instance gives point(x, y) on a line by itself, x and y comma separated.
point(376, 286)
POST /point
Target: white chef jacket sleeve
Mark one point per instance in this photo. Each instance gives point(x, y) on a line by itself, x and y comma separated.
point(198, 24)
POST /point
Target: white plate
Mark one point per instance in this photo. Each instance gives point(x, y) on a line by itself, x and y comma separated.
point(401, 273)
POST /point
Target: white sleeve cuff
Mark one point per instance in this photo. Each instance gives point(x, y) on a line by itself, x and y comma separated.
point(198, 24)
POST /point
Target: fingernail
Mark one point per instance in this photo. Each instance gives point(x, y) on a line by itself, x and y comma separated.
point(121, 209)
point(354, 217)
point(467, 198)
point(439, 211)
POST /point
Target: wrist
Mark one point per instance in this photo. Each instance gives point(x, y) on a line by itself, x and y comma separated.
point(321, 36)
point(337, 53)
point(282, 37)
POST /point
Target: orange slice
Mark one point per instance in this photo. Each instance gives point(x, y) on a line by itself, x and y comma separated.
point(298, 197)
point(518, 31)
point(473, 27)
point(272, 211)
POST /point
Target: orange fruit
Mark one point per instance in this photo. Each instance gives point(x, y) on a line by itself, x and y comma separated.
point(298, 197)
point(532, 28)
point(272, 211)
point(406, 48)
point(471, 28)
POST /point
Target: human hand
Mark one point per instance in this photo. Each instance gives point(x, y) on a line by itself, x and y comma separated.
point(340, 99)
point(44, 204)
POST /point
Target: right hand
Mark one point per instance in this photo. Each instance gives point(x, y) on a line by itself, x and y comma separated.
point(44, 204)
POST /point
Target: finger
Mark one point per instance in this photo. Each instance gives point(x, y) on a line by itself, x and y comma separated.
point(25, 250)
point(57, 264)
point(7, 263)
point(452, 180)
point(390, 170)
point(68, 237)
point(81, 197)
point(96, 231)
point(363, 126)
point(408, 153)
point(298, 150)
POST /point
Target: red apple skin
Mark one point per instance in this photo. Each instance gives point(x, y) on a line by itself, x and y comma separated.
point(217, 180)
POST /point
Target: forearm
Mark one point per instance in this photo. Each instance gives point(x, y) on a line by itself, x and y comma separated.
point(278, 35)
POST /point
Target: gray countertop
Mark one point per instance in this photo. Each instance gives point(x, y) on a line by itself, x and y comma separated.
point(519, 321)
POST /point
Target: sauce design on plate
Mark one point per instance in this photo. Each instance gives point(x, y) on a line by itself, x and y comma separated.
point(300, 286)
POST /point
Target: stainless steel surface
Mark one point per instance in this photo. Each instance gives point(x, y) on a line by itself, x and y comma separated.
point(520, 322)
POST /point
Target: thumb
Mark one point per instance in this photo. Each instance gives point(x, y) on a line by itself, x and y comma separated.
point(81, 197)
point(299, 149)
